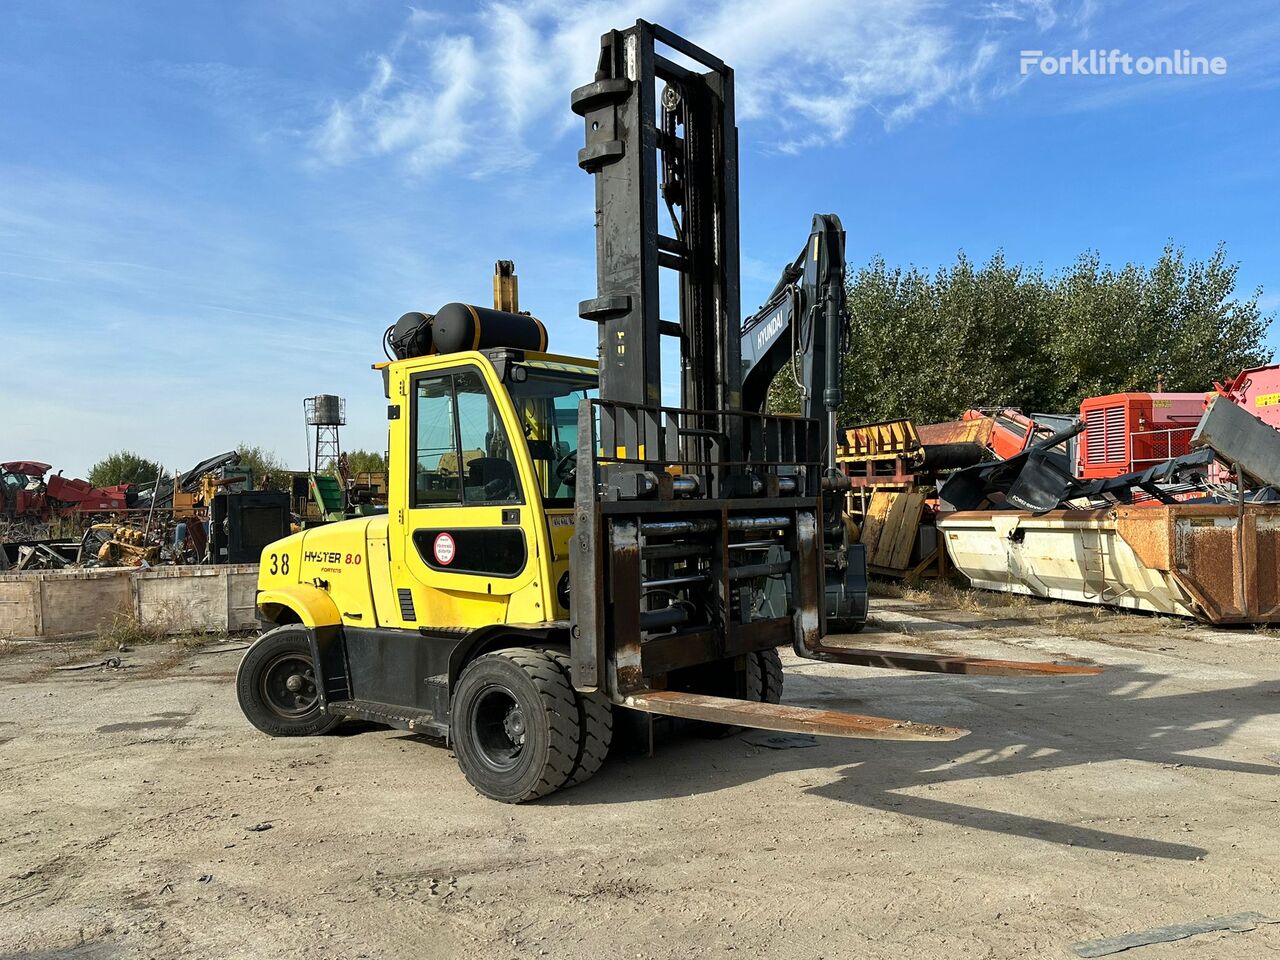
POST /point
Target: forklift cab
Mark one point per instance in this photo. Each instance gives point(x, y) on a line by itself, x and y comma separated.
point(487, 500)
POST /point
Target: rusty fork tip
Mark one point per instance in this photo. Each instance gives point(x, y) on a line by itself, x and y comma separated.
point(929, 731)
point(1078, 669)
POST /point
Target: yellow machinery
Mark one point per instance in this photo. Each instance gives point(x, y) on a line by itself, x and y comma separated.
point(557, 543)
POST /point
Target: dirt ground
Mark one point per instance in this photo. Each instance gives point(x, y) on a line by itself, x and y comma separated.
point(141, 816)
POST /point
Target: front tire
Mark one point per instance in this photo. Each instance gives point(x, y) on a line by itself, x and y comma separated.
point(278, 685)
point(515, 726)
point(595, 720)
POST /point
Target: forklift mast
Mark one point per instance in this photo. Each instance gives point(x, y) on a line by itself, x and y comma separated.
point(679, 147)
point(684, 517)
point(678, 510)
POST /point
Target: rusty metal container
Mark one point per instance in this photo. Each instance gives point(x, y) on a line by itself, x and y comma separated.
point(1216, 563)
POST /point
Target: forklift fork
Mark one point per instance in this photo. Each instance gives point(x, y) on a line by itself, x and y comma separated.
point(941, 663)
point(782, 717)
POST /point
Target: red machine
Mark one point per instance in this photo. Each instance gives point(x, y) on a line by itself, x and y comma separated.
point(1258, 391)
point(1012, 431)
point(25, 494)
point(1127, 432)
point(83, 497)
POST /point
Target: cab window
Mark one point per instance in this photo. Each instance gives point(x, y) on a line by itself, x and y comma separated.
point(461, 451)
point(546, 403)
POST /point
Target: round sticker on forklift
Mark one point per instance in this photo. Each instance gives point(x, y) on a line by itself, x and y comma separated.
point(444, 549)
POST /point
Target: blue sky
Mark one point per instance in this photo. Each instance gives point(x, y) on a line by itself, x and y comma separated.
point(211, 210)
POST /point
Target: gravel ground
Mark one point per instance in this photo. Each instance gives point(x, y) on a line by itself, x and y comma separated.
point(143, 817)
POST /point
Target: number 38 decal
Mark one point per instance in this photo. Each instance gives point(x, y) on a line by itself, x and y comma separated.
point(279, 563)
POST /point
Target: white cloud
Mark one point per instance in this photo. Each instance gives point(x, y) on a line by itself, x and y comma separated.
point(486, 93)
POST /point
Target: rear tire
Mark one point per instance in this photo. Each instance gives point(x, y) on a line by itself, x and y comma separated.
point(515, 725)
point(770, 665)
point(278, 686)
point(595, 720)
point(846, 626)
point(760, 681)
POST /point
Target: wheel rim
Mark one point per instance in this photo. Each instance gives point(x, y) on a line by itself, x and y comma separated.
point(498, 728)
point(289, 686)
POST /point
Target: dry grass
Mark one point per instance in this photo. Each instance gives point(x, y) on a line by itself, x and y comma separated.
point(124, 630)
point(1061, 619)
point(948, 593)
point(1106, 624)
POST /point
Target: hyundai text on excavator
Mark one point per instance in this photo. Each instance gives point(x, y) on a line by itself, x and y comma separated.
point(558, 543)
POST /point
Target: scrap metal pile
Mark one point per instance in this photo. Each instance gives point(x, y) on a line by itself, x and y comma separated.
point(1234, 456)
point(1195, 535)
point(50, 523)
point(1168, 502)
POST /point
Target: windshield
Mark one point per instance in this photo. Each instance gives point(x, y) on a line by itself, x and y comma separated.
point(547, 407)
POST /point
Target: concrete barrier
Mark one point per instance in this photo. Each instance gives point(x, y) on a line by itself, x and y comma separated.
point(57, 604)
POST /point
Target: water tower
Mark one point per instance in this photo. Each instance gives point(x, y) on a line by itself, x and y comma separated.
point(326, 413)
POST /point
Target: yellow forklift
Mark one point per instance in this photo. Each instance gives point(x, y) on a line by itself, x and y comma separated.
point(559, 544)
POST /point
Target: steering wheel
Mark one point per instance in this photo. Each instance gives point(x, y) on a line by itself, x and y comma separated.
point(566, 469)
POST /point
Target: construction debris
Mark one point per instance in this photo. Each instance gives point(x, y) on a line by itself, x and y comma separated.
point(110, 663)
point(1040, 479)
point(1196, 536)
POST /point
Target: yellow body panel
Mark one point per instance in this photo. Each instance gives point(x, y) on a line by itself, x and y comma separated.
point(370, 572)
point(313, 606)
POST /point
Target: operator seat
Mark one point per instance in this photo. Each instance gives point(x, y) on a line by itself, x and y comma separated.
point(492, 478)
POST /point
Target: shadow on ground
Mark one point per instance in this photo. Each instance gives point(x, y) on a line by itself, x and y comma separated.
point(1018, 727)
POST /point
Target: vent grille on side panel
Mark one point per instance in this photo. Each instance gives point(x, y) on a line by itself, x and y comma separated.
point(406, 604)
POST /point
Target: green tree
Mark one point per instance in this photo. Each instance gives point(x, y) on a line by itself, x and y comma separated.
point(269, 471)
point(1180, 322)
point(930, 346)
point(125, 466)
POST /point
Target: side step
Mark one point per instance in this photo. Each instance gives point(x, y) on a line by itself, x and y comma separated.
point(776, 716)
point(401, 718)
point(943, 663)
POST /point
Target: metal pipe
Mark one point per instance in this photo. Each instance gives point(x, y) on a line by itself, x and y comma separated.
point(674, 551)
point(758, 523)
point(787, 485)
point(670, 528)
point(686, 484)
point(673, 582)
point(751, 544)
point(672, 616)
point(753, 570)
point(1241, 583)
point(155, 493)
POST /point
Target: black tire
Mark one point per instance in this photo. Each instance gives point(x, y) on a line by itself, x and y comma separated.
point(276, 685)
point(514, 726)
point(595, 720)
point(760, 681)
point(846, 626)
point(770, 665)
